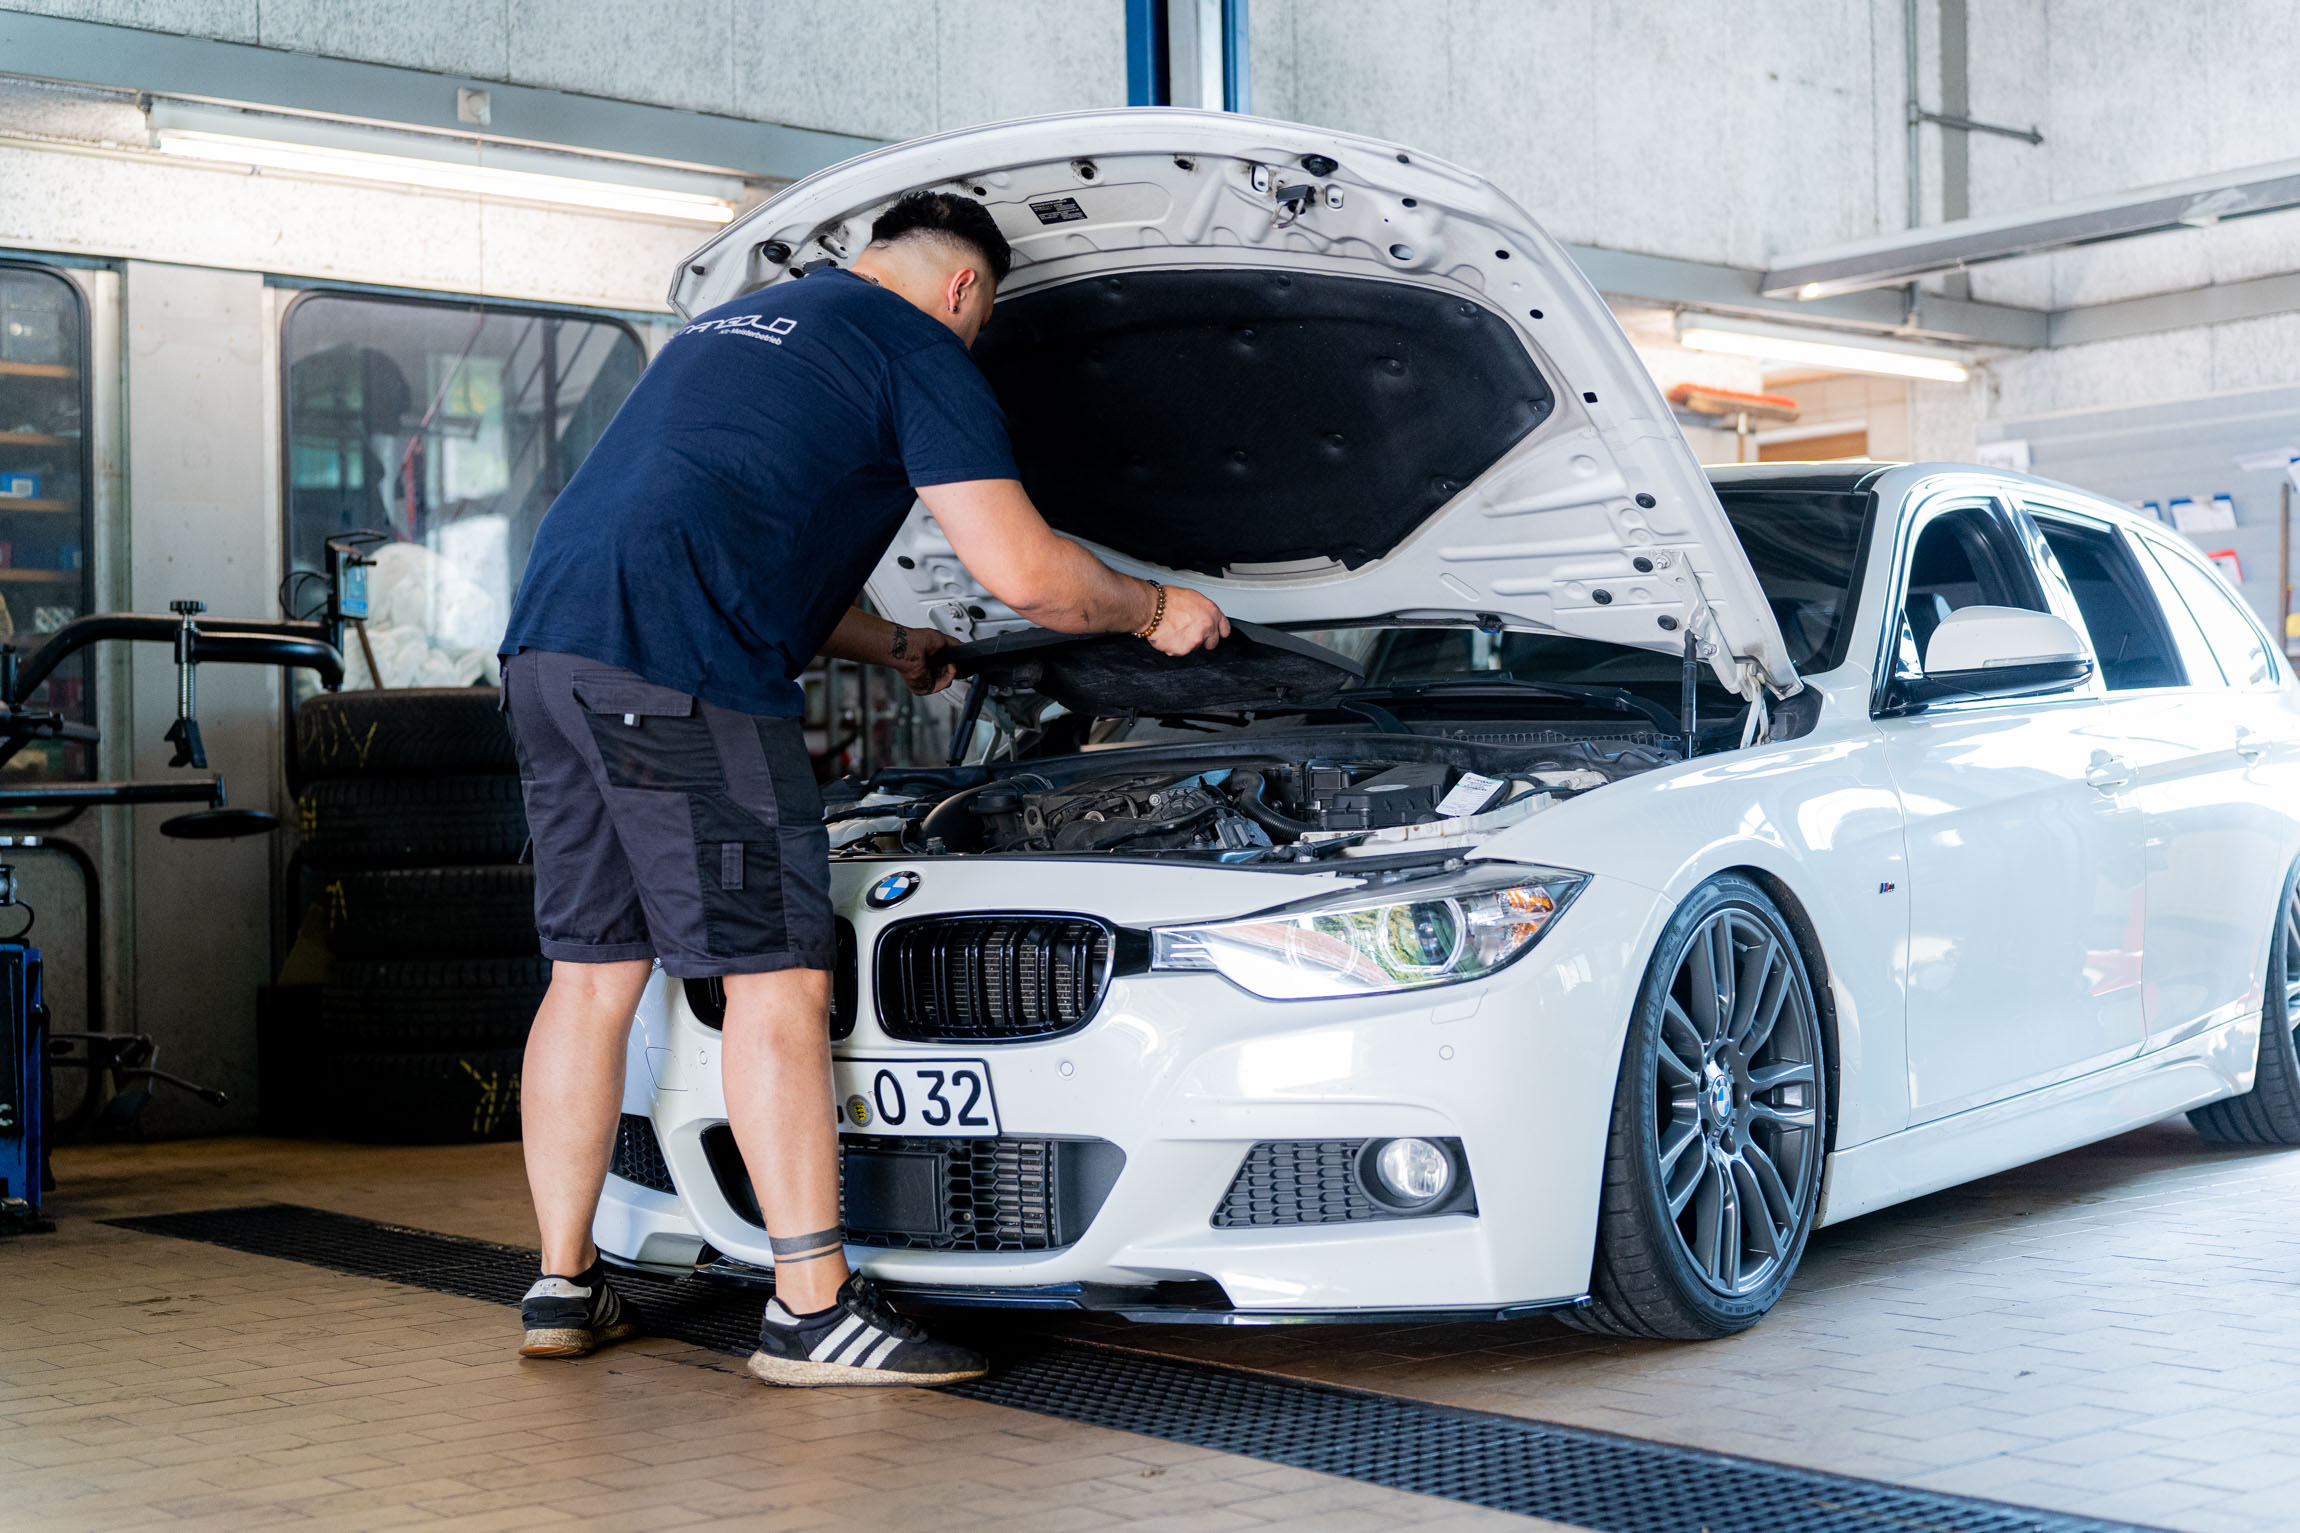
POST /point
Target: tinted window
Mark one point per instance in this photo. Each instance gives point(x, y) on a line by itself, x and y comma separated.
point(1966, 558)
point(449, 427)
point(2120, 612)
point(44, 515)
point(1805, 546)
point(2235, 638)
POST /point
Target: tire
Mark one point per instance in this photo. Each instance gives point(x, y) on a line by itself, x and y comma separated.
point(486, 912)
point(424, 1006)
point(1677, 1255)
point(443, 1098)
point(2270, 1112)
point(381, 822)
point(401, 731)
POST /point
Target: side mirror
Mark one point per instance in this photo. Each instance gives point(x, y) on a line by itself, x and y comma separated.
point(1993, 652)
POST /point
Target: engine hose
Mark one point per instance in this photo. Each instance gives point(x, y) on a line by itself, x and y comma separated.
point(1248, 784)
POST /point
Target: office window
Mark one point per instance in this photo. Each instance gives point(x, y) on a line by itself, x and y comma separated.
point(449, 428)
point(45, 517)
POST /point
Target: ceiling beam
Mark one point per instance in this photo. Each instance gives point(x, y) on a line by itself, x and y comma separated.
point(242, 74)
point(1837, 270)
point(1674, 283)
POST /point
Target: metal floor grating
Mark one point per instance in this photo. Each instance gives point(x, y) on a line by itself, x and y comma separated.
point(1566, 1474)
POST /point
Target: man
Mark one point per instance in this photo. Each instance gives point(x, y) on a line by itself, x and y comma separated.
point(707, 549)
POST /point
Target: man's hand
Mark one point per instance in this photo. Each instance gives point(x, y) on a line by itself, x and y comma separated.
point(1192, 621)
point(1000, 537)
point(912, 652)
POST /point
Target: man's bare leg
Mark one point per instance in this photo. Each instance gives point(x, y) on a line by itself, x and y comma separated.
point(570, 1094)
point(775, 1066)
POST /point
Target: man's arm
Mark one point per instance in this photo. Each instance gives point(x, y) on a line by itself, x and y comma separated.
point(1001, 538)
point(873, 640)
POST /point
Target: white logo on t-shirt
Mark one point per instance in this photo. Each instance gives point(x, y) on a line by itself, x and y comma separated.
point(749, 326)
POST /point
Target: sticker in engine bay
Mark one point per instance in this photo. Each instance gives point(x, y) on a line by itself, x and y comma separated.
point(1472, 792)
point(1059, 210)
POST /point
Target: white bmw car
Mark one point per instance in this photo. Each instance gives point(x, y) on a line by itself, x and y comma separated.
point(1582, 875)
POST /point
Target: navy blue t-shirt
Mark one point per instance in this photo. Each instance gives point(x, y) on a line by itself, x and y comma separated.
point(734, 506)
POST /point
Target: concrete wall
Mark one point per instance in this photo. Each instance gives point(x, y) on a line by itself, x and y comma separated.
point(883, 68)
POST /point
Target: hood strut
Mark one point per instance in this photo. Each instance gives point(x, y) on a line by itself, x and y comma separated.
point(1688, 695)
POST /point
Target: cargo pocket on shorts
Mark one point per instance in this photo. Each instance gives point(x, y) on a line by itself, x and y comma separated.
point(738, 860)
point(648, 736)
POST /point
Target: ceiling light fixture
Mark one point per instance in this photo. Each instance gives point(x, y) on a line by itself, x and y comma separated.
point(1831, 349)
point(435, 162)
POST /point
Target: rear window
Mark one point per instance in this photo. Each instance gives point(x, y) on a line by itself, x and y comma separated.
point(2235, 637)
point(2127, 629)
point(1807, 548)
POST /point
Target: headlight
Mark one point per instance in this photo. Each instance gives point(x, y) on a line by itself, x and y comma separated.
point(1367, 941)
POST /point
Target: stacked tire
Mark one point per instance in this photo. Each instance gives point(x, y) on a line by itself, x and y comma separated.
point(412, 830)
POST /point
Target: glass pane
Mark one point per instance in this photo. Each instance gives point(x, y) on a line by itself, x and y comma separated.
point(2120, 614)
point(44, 512)
point(1966, 558)
point(449, 428)
point(2236, 640)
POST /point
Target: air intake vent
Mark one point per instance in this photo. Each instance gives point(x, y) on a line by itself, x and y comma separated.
point(991, 979)
point(638, 1155)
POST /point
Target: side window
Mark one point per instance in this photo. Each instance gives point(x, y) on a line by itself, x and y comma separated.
point(2129, 637)
point(1968, 557)
point(2235, 638)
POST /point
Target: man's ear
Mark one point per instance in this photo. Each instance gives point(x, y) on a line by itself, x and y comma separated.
point(962, 284)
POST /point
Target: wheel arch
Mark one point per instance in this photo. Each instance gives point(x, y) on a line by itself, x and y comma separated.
point(1808, 939)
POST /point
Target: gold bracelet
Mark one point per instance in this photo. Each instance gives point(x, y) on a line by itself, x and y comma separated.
point(1157, 616)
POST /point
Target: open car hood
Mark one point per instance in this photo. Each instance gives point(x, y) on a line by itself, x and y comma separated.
point(1322, 378)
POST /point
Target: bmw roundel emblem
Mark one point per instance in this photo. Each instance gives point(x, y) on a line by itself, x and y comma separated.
point(892, 890)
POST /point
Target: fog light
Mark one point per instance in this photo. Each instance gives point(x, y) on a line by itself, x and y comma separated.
point(1413, 1171)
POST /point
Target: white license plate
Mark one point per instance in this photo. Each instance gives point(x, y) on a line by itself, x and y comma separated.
point(936, 1098)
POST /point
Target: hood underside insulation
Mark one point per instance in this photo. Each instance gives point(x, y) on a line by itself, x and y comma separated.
point(1206, 419)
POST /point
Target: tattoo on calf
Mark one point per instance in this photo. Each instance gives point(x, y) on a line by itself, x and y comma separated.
point(807, 1248)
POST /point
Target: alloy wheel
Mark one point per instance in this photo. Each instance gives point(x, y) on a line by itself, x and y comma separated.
point(1737, 1098)
point(2291, 945)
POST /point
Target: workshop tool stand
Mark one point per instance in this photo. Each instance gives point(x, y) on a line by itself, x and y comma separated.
point(29, 1052)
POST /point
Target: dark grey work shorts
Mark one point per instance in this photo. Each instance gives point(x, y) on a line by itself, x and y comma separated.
point(664, 826)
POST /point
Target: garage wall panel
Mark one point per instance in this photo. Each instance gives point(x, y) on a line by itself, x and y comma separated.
point(2178, 448)
point(451, 36)
point(871, 69)
point(199, 476)
point(681, 49)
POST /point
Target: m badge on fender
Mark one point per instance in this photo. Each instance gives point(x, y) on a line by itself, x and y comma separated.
point(891, 890)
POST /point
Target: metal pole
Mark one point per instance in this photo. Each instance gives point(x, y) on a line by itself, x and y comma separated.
point(2284, 562)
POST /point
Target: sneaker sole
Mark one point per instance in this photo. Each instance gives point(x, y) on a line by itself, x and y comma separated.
point(804, 1374)
point(572, 1343)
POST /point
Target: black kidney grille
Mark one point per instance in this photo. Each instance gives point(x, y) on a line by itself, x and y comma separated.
point(708, 997)
point(989, 978)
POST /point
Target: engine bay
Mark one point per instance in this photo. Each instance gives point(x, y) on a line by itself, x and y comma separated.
point(1257, 808)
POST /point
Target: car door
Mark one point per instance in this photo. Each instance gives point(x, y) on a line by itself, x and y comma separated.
point(2220, 818)
point(2026, 886)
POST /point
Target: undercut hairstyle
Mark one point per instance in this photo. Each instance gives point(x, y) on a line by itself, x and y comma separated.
point(946, 216)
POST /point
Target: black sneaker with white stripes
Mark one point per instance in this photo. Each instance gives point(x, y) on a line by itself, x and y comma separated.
point(858, 1340)
point(568, 1317)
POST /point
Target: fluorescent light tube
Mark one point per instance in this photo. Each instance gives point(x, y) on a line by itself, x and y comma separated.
point(447, 174)
point(1820, 348)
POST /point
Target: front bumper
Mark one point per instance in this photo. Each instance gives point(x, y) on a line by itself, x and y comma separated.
point(1185, 1073)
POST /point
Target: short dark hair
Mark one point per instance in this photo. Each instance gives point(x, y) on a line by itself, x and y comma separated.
point(951, 216)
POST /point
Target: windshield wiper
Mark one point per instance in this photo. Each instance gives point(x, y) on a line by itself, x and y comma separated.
point(1613, 699)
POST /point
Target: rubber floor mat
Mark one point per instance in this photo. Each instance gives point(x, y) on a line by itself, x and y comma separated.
point(1567, 1474)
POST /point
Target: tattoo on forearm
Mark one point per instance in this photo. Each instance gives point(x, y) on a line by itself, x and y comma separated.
point(900, 648)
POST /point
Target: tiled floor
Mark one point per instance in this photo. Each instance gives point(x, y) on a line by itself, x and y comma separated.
point(2116, 1331)
point(149, 1382)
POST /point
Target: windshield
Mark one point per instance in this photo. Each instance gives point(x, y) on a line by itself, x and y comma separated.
point(1804, 545)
